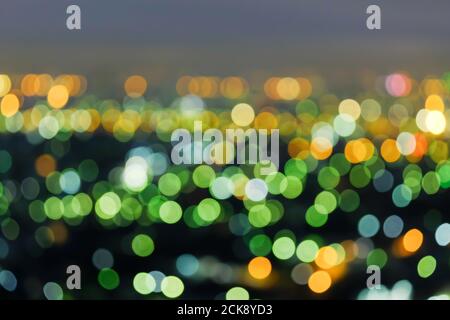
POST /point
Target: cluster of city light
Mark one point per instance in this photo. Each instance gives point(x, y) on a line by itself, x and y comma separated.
point(395, 144)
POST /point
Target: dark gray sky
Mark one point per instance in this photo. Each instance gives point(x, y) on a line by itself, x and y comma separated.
point(223, 36)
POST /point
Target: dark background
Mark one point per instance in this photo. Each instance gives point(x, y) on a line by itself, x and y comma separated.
point(172, 37)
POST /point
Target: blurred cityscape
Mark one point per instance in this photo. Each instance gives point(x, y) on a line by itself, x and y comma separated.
point(86, 176)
